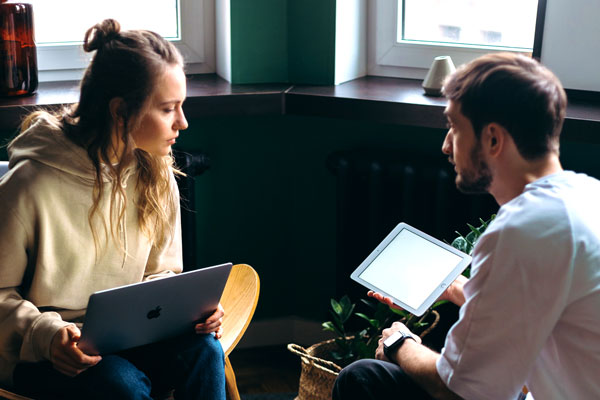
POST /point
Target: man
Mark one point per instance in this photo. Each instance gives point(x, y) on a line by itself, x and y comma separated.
point(530, 314)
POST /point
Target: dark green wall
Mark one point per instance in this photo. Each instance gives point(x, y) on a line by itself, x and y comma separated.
point(311, 41)
point(269, 200)
point(259, 41)
point(283, 41)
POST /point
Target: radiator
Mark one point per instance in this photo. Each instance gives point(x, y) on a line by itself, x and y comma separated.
point(377, 189)
point(193, 165)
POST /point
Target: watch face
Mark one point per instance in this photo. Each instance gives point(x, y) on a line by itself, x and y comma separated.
point(392, 339)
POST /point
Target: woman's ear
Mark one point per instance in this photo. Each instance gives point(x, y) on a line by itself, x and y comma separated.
point(117, 110)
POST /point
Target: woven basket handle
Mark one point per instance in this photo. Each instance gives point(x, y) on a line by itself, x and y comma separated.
point(318, 362)
point(433, 324)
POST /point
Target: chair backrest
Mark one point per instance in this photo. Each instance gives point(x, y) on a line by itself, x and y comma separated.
point(239, 299)
point(3, 167)
point(5, 394)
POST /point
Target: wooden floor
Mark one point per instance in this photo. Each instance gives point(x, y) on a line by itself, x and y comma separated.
point(266, 370)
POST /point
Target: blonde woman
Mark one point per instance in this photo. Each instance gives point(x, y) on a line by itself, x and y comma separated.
point(90, 203)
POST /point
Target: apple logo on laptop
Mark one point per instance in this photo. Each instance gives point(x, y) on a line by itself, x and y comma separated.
point(155, 313)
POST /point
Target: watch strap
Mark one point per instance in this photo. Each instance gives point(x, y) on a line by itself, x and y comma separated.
point(390, 348)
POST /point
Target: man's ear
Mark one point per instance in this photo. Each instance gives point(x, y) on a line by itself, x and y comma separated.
point(493, 138)
point(117, 110)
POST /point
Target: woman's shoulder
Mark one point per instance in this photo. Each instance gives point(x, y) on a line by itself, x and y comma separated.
point(24, 177)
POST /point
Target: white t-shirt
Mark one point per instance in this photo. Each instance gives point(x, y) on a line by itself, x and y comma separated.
point(532, 311)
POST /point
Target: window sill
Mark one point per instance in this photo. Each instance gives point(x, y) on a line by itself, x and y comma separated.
point(376, 99)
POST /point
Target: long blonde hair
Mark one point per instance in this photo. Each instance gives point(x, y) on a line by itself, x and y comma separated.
point(126, 65)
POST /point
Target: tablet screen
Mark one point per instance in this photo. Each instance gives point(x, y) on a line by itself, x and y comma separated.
point(411, 267)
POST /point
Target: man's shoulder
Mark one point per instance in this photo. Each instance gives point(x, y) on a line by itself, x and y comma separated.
point(553, 198)
point(552, 210)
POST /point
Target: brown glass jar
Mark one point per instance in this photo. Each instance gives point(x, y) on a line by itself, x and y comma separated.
point(18, 58)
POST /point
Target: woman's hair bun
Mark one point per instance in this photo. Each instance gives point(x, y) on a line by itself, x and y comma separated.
point(100, 34)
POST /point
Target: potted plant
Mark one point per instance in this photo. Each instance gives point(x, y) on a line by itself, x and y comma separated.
point(322, 361)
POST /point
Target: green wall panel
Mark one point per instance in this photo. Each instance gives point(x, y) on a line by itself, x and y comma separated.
point(259, 41)
point(283, 41)
point(311, 30)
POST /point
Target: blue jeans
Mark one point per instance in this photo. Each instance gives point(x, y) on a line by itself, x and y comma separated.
point(192, 364)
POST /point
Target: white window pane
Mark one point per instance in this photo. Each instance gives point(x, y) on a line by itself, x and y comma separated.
point(64, 21)
point(503, 23)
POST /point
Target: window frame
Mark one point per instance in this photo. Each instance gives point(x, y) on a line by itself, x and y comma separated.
point(197, 21)
point(387, 57)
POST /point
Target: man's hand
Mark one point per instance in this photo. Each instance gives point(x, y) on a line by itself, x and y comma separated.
point(212, 323)
point(66, 357)
point(396, 327)
point(381, 298)
point(454, 294)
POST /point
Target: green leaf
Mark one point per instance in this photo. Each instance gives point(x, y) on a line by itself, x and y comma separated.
point(438, 303)
point(476, 231)
point(373, 322)
point(460, 243)
point(328, 326)
point(347, 313)
point(345, 302)
point(397, 311)
point(362, 350)
point(370, 303)
point(347, 308)
point(336, 307)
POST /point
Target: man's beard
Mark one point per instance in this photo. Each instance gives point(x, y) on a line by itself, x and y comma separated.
point(478, 179)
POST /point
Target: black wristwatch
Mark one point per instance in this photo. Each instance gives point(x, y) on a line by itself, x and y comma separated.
point(393, 342)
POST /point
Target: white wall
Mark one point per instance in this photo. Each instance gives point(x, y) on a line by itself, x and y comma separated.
point(571, 43)
point(223, 38)
point(350, 40)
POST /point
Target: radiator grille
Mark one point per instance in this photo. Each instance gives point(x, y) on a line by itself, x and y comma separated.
point(192, 164)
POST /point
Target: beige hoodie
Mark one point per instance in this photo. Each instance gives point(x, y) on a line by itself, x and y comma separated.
point(48, 262)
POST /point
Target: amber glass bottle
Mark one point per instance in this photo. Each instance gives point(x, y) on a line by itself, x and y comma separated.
point(18, 58)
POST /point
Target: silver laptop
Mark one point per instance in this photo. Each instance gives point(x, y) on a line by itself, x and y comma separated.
point(147, 312)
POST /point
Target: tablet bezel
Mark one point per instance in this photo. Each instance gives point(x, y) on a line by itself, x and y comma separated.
point(440, 287)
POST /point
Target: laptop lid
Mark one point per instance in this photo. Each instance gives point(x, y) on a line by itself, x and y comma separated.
point(147, 312)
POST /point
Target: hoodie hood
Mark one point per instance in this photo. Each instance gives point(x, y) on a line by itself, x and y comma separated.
point(44, 141)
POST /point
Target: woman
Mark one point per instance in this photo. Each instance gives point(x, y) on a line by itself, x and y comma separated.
point(91, 203)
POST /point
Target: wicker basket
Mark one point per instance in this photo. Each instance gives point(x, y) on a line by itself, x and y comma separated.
point(318, 375)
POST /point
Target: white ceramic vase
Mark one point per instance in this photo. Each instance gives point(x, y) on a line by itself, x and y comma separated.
point(441, 67)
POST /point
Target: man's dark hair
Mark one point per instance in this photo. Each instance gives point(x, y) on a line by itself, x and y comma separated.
point(516, 92)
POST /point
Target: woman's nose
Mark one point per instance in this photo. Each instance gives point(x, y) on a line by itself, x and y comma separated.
point(181, 122)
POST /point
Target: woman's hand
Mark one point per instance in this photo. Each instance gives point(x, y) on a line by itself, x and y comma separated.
point(65, 356)
point(213, 323)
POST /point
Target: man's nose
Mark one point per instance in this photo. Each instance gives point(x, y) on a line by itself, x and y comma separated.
point(447, 144)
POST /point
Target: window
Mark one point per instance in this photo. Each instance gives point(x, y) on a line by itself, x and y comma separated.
point(60, 26)
point(406, 35)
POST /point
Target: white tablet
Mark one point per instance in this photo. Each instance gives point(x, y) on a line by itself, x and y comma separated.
point(412, 268)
